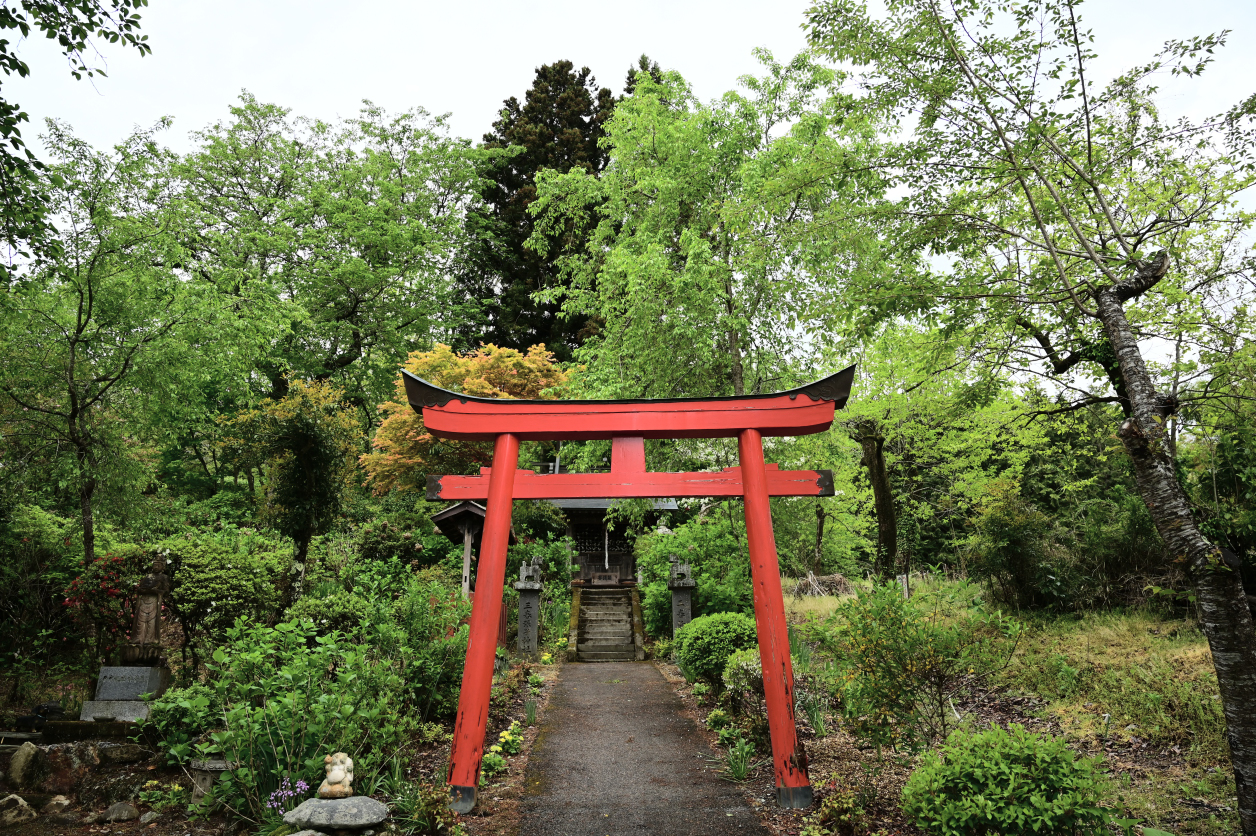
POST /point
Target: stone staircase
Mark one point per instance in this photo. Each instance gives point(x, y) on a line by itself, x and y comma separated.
point(605, 632)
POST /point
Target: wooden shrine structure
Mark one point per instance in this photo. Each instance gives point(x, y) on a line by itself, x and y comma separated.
point(627, 423)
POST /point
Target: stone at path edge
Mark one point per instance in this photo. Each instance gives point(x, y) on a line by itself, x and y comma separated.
point(358, 812)
point(122, 811)
point(28, 766)
point(14, 810)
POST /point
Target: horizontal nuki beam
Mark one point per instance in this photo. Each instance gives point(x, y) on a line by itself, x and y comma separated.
point(642, 485)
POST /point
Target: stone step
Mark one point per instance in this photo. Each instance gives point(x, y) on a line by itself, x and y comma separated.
point(604, 629)
point(603, 616)
point(593, 656)
point(605, 647)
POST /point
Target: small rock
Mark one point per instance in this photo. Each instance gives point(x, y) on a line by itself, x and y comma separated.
point(151, 815)
point(356, 813)
point(65, 818)
point(311, 833)
point(91, 818)
point(13, 810)
point(59, 804)
point(124, 753)
point(122, 811)
point(29, 766)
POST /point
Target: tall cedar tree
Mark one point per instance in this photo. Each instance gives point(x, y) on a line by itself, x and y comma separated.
point(558, 126)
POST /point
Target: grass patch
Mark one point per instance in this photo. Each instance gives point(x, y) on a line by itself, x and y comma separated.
point(811, 606)
point(1151, 674)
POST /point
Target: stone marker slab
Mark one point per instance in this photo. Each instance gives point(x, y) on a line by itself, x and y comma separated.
point(119, 683)
point(124, 710)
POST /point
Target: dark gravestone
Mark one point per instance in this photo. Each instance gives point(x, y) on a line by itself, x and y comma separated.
point(117, 683)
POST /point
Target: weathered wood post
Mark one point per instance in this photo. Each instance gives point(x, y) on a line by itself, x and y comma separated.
point(789, 759)
point(529, 588)
point(467, 749)
point(682, 585)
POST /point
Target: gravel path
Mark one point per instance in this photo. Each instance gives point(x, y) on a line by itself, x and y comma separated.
point(616, 756)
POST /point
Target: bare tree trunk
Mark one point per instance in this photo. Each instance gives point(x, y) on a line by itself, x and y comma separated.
point(1223, 607)
point(820, 515)
point(87, 490)
point(873, 444)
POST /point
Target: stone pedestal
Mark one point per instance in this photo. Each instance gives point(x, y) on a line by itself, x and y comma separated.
point(118, 692)
point(682, 585)
point(529, 588)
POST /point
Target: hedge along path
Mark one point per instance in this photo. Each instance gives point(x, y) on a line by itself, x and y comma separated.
point(616, 755)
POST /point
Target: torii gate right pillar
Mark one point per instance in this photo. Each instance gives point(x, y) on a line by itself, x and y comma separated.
point(789, 759)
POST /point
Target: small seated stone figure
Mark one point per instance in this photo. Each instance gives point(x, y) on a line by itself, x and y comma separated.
point(339, 780)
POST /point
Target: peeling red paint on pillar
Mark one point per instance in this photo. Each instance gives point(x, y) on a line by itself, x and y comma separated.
point(793, 785)
point(467, 749)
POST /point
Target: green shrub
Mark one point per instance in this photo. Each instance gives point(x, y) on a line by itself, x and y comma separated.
point(1015, 553)
point(901, 661)
point(42, 556)
point(385, 540)
point(340, 611)
point(743, 682)
point(715, 548)
point(1008, 783)
point(180, 716)
point(101, 599)
point(838, 814)
point(282, 698)
point(216, 580)
point(704, 644)
point(718, 719)
point(422, 809)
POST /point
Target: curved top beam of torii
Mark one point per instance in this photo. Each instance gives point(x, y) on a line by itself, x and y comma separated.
point(807, 409)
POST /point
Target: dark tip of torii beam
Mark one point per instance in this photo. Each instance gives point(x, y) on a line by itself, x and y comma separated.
point(807, 409)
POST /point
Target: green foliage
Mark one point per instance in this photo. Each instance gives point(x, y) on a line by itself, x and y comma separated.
point(718, 719)
point(422, 809)
point(743, 682)
point(663, 250)
point(739, 760)
point(386, 540)
point(1013, 552)
point(42, 558)
point(1013, 783)
point(558, 127)
point(1137, 667)
point(288, 697)
point(901, 661)
point(714, 547)
point(101, 599)
point(839, 814)
point(161, 797)
point(309, 442)
point(218, 579)
point(704, 645)
point(339, 611)
point(24, 205)
point(181, 716)
point(510, 740)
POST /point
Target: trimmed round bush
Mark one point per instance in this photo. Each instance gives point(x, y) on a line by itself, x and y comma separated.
point(1010, 783)
point(703, 646)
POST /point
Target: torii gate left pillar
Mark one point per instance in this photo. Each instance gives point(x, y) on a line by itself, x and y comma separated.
point(800, 411)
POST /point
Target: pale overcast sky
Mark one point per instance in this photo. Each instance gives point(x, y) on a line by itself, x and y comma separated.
point(321, 59)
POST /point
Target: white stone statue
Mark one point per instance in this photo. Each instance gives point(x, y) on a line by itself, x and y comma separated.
point(339, 780)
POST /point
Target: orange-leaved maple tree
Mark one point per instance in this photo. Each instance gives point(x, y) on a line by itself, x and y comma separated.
point(405, 452)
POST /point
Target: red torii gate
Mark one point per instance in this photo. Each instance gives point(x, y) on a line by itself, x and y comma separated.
point(807, 409)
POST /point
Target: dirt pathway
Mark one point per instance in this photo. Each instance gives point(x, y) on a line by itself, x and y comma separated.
point(616, 756)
